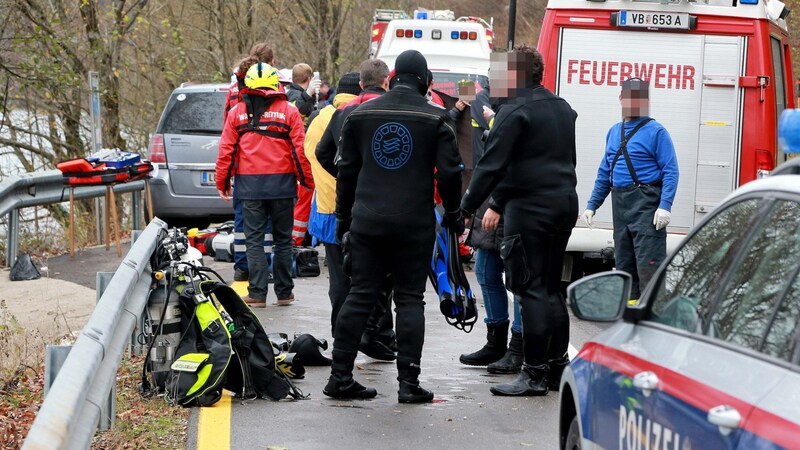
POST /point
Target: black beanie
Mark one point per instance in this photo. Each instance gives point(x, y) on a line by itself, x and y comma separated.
point(348, 84)
point(410, 67)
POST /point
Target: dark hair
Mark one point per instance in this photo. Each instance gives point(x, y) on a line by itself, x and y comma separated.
point(533, 64)
point(373, 72)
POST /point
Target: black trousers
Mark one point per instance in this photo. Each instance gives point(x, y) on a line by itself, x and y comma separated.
point(638, 247)
point(407, 258)
point(381, 323)
point(545, 321)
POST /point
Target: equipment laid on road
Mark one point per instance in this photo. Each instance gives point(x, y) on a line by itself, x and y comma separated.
point(456, 299)
point(218, 342)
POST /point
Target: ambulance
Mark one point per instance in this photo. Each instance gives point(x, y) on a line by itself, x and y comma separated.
point(456, 48)
point(720, 76)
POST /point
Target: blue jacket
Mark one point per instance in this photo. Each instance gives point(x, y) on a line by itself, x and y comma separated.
point(653, 158)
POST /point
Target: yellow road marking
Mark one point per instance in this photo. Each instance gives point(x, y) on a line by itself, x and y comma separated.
point(214, 425)
point(240, 287)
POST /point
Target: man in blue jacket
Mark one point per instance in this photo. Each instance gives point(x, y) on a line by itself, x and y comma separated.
point(640, 170)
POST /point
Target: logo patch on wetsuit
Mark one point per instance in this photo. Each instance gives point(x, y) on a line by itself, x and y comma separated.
point(391, 145)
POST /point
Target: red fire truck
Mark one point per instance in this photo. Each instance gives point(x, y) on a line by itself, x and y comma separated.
point(720, 76)
point(456, 48)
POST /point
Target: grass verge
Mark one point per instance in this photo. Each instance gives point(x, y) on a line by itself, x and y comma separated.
point(139, 423)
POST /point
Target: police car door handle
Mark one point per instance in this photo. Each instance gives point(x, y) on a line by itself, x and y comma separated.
point(646, 381)
point(726, 417)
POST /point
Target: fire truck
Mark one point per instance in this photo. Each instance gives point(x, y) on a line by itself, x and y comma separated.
point(720, 76)
point(456, 48)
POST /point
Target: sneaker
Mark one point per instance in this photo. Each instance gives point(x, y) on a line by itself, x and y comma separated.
point(240, 275)
point(255, 302)
point(285, 301)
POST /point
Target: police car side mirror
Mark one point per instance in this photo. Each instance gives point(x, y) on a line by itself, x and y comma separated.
point(601, 297)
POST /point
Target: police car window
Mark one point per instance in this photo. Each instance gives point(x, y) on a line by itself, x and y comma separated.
point(784, 334)
point(195, 113)
point(750, 299)
point(689, 284)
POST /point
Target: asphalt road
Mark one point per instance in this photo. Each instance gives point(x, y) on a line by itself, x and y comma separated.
point(464, 413)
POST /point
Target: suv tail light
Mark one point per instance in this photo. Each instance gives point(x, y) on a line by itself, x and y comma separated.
point(156, 151)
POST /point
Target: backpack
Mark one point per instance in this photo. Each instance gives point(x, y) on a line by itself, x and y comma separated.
point(223, 345)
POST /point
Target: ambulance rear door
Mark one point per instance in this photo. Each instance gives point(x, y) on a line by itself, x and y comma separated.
point(693, 93)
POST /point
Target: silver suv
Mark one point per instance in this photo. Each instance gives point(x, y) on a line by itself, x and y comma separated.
point(184, 151)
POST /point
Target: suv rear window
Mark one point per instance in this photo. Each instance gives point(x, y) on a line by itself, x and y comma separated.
point(447, 83)
point(194, 113)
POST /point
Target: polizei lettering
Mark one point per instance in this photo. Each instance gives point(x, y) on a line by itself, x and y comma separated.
point(611, 73)
point(639, 433)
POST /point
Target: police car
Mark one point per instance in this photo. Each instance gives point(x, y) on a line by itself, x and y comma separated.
point(708, 357)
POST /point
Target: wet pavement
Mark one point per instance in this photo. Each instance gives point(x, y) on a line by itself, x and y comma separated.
point(464, 413)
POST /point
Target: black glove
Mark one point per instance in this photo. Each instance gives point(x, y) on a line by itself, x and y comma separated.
point(347, 260)
point(454, 221)
point(342, 227)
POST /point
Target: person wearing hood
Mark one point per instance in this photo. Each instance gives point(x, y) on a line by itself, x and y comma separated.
point(386, 222)
point(378, 340)
point(260, 148)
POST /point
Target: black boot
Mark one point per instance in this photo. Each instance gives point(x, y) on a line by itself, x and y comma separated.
point(408, 375)
point(531, 381)
point(495, 348)
point(347, 390)
point(511, 362)
point(556, 369)
point(413, 393)
point(373, 347)
point(376, 349)
point(341, 383)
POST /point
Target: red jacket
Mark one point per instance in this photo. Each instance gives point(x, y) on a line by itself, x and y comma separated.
point(269, 161)
point(233, 94)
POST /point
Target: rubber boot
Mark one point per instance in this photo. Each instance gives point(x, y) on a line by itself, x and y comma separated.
point(371, 346)
point(408, 375)
point(557, 367)
point(495, 348)
point(531, 381)
point(341, 384)
point(511, 362)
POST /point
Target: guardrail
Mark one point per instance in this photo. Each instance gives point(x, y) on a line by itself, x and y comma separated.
point(44, 188)
point(71, 410)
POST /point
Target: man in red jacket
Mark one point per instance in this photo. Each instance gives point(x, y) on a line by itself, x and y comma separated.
point(262, 147)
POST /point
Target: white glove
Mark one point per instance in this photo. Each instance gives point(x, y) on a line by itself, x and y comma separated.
point(661, 219)
point(313, 87)
point(587, 217)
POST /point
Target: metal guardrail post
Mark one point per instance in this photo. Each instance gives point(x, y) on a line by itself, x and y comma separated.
point(69, 416)
point(136, 209)
point(109, 407)
point(12, 243)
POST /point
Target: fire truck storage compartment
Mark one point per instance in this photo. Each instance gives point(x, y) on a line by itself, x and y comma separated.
point(694, 93)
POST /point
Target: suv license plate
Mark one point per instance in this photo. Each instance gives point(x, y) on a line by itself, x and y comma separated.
point(208, 179)
point(646, 19)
